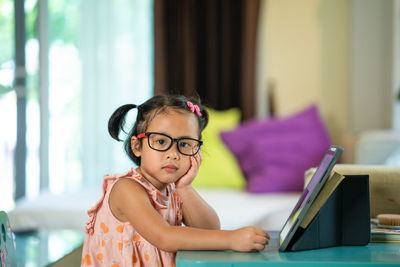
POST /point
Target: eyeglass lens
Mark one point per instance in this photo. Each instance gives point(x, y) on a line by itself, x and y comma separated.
point(162, 143)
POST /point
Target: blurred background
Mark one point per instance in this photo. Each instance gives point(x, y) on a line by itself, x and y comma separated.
point(65, 66)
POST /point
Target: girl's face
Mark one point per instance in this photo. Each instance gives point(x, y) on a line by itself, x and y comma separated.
point(163, 167)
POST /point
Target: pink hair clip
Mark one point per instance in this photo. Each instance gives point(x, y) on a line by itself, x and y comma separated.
point(194, 108)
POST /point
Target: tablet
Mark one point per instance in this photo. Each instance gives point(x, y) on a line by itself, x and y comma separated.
point(308, 196)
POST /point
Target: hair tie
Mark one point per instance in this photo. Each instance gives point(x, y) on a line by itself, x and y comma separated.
point(194, 108)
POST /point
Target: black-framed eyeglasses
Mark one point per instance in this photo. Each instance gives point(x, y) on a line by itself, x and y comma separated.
point(162, 142)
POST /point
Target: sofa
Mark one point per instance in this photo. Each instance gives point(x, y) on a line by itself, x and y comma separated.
point(252, 173)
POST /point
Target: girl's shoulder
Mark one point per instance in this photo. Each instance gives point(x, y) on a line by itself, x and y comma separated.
point(131, 189)
point(135, 176)
point(109, 181)
point(133, 180)
point(131, 175)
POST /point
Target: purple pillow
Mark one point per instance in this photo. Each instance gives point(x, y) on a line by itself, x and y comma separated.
point(274, 154)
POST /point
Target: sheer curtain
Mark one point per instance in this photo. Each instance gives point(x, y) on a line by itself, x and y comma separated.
point(116, 48)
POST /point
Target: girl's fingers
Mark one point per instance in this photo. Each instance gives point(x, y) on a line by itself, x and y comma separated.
point(262, 232)
point(195, 164)
point(198, 158)
point(259, 247)
point(261, 240)
point(194, 159)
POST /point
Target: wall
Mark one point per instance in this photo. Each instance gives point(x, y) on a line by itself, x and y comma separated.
point(308, 58)
point(342, 55)
point(374, 51)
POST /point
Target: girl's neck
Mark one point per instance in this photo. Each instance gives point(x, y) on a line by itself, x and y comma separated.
point(158, 185)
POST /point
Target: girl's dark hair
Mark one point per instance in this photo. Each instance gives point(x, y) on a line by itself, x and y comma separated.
point(148, 111)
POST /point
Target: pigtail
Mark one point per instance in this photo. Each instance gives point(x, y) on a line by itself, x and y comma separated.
point(204, 118)
point(117, 120)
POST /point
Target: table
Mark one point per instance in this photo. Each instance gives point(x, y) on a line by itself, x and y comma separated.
point(41, 248)
point(376, 254)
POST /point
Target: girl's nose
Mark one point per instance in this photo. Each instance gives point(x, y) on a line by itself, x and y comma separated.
point(173, 153)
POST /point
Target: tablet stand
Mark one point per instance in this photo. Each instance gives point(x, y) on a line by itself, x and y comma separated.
point(344, 219)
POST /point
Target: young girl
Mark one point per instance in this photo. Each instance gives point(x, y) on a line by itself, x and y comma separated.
point(138, 221)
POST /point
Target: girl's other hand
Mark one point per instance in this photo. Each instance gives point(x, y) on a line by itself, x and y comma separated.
point(249, 238)
point(189, 176)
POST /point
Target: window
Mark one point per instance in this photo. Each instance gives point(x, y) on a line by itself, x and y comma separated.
point(396, 65)
point(84, 58)
point(7, 103)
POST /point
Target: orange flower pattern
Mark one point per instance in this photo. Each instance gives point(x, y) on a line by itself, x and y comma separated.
point(86, 260)
point(109, 242)
point(120, 228)
point(100, 256)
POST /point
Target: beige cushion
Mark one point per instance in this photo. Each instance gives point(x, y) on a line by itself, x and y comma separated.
point(384, 183)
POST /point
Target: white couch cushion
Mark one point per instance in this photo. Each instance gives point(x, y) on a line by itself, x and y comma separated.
point(236, 208)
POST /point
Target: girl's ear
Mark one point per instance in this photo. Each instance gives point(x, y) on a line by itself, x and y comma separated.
point(136, 147)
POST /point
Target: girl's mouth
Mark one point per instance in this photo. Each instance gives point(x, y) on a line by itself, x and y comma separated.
point(170, 168)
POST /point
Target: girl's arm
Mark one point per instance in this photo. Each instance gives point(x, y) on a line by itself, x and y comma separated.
point(130, 200)
point(196, 212)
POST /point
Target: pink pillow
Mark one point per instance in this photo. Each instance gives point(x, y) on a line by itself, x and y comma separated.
point(274, 154)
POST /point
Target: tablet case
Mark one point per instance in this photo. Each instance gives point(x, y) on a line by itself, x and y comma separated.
point(344, 219)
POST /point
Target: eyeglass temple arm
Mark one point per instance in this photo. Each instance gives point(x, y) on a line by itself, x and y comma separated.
point(141, 135)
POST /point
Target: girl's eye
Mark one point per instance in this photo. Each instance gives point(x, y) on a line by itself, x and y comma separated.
point(161, 141)
point(184, 144)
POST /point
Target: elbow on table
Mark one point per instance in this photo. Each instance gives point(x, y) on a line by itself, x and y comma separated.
point(217, 225)
point(174, 238)
point(166, 238)
point(166, 244)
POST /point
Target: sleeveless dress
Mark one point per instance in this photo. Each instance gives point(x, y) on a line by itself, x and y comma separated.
point(112, 243)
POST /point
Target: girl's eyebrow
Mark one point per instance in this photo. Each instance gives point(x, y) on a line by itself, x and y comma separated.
point(187, 137)
point(184, 136)
point(179, 137)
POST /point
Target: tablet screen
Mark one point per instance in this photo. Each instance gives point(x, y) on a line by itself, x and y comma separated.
point(306, 194)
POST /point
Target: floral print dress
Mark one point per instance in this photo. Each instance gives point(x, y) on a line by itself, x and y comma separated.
point(112, 243)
